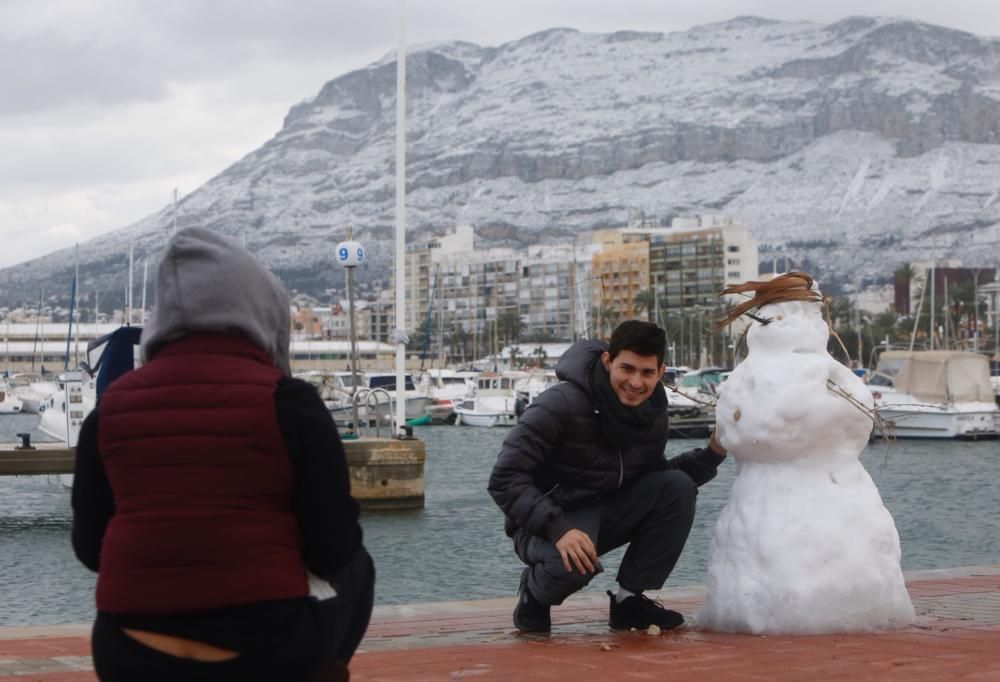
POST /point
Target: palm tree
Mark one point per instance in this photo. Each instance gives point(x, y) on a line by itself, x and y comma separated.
point(605, 318)
point(515, 357)
point(540, 356)
point(510, 327)
point(545, 335)
point(458, 343)
point(644, 302)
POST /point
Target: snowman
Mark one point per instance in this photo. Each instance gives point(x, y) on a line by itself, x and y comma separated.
point(804, 544)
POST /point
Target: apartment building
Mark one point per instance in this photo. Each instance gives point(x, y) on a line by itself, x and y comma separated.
point(620, 272)
point(695, 258)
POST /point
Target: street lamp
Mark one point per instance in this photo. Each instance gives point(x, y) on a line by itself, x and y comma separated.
point(350, 254)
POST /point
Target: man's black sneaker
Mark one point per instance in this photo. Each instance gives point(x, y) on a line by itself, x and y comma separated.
point(530, 615)
point(639, 612)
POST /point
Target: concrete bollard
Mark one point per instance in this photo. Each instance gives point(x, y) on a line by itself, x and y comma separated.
point(386, 473)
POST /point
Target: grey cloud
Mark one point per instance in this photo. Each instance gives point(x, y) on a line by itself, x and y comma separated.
point(45, 71)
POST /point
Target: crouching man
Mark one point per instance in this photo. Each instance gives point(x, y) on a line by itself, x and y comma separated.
point(583, 472)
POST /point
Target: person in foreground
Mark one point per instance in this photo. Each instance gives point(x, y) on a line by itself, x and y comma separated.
point(583, 472)
point(211, 492)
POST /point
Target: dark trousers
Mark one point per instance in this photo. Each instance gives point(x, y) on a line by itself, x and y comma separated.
point(653, 515)
point(319, 635)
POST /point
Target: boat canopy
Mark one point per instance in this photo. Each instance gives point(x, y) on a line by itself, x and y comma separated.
point(939, 375)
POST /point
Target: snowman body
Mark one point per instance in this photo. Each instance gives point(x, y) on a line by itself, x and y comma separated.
point(804, 544)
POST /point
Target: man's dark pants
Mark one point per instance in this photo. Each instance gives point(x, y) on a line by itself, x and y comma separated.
point(652, 514)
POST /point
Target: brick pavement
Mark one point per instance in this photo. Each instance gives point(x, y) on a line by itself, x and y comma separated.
point(957, 638)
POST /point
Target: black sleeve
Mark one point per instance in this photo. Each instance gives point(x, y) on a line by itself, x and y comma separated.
point(523, 453)
point(701, 465)
point(327, 514)
point(91, 498)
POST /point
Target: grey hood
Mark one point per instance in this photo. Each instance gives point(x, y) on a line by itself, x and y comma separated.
point(208, 283)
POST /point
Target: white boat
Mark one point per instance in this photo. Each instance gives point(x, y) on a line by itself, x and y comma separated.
point(68, 407)
point(935, 394)
point(416, 401)
point(702, 384)
point(33, 390)
point(446, 388)
point(495, 401)
point(535, 382)
point(336, 389)
point(8, 403)
point(680, 404)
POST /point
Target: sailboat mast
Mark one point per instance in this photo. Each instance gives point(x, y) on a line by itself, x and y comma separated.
point(916, 317)
point(933, 287)
point(440, 317)
point(69, 332)
point(145, 274)
point(38, 323)
point(128, 289)
point(76, 288)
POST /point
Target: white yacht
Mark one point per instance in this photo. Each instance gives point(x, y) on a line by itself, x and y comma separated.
point(33, 390)
point(935, 394)
point(336, 389)
point(536, 381)
point(66, 409)
point(416, 401)
point(446, 388)
point(8, 403)
point(494, 402)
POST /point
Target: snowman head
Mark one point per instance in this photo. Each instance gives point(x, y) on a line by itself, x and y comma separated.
point(786, 311)
point(792, 326)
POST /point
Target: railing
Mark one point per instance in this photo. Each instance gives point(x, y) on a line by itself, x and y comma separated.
point(370, 399)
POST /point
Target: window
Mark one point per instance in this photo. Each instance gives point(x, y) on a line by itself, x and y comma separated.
point(732, 248)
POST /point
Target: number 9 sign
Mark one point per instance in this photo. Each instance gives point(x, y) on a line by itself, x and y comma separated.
point(350, 254)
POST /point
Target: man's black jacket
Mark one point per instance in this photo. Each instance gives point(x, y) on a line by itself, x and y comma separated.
point(557, 458)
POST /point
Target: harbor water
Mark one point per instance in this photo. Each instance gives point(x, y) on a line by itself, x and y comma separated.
point(943, 496)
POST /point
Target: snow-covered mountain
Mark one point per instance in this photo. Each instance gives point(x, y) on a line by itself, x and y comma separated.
point(853, 146)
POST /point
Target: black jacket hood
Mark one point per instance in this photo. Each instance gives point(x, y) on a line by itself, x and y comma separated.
point(577, 363)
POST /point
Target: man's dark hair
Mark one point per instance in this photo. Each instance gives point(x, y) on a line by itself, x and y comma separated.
point(642, 338)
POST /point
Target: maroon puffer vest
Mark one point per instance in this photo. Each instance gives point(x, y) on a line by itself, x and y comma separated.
point(202, 483)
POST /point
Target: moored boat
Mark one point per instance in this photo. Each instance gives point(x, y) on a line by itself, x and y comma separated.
point(8, 403)
point(935, 394)
point(495, 401)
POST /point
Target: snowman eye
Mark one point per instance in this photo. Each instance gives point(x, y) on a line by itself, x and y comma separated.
point(764, 321)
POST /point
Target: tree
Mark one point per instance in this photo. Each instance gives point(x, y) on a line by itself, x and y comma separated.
point(509, 327)
point(515, 357)
point(459, 343)
point(545, 335)
point(604, 318)
point(644, 303)
point(540, 356)
point(905, 274)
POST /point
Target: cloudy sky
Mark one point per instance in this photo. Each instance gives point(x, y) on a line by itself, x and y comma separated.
point(106, 106)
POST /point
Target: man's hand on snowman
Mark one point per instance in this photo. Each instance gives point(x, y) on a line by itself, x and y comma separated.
point(715, 446)
point(576, 546)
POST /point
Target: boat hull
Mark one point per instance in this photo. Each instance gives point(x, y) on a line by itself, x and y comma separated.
point(944, 424)
point(472, 418)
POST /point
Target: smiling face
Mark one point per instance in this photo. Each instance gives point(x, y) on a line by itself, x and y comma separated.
point(633, 377)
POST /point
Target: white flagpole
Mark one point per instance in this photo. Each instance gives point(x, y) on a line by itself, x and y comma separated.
point(401, 222)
